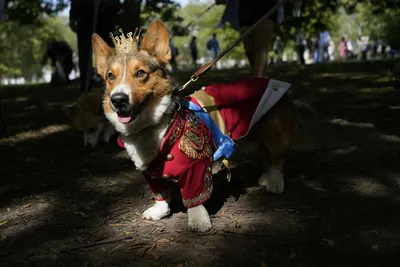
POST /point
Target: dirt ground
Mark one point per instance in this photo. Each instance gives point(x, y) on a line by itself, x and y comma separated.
point(65, 205)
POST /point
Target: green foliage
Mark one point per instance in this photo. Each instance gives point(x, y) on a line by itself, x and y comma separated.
point(23, 46)
point(166, 10)
point(203, 28)
point(391, 25)
point(31, 22)
point(368, 18)
point(30, 11)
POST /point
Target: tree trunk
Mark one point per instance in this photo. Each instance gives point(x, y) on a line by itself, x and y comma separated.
point(130, 18)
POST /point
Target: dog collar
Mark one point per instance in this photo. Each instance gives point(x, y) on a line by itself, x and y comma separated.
point(120, 142)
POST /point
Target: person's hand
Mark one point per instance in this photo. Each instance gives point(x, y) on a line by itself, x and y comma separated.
point(72, 25)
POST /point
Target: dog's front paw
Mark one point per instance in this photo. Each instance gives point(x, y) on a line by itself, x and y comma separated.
point(273, 181)
point(159, 210)
point(199, 220)
point(108, 133)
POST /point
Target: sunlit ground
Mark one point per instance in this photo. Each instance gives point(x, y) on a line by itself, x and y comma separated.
point(62, 204)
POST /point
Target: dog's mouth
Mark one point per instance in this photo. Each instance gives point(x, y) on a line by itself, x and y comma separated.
point(130, 112)
point(124, 117)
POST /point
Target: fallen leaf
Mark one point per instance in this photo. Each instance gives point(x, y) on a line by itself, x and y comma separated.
point(26, 205)
point(231, 230)
point(117, 224)
point(30, 159)
point(153, 255)
point(80, 213)
point(330, 242)
point(320, 189)
point(292, 254)
point(127, 233)
point(375, 231)
point(150, 251)
point(163, 240)
point(375, 247)
point(3, 223)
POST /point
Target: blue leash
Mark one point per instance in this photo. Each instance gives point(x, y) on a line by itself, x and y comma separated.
point(225, 145)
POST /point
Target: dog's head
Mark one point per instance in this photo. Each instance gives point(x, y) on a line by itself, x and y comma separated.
point(138, 87)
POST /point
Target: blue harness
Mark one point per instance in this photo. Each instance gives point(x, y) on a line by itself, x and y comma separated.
point(225, 145)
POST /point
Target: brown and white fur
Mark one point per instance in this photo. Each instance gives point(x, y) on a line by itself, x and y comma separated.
point(87, 116)
point(139, 103)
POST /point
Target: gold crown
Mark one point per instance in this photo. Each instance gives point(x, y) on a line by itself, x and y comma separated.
point(127, 44)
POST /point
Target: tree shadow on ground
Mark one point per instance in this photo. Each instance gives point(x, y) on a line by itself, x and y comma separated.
point(339, 207)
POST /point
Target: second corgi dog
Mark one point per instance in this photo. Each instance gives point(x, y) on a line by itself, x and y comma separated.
point(87, 116)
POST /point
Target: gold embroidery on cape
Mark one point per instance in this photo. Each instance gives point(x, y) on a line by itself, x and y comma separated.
point(194, 143)
point(176, 131)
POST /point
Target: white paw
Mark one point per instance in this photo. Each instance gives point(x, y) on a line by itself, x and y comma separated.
point(198, 219)
point(273, 181)
point(159, 210)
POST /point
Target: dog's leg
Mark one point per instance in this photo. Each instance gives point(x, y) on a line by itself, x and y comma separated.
point(198, 219)
point(108, 133)
point(277, 137)
point(159, 210)
point(273, 179)
point(85, 139)
point(93, 138)
point(161, 193)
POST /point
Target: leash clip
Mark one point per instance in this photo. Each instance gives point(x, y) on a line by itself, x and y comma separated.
point(192, 79)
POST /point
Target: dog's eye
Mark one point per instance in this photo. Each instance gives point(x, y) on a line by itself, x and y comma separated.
point(110, 76)
point(140, 73)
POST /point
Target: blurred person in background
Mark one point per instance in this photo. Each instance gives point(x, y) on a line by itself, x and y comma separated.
point(242, 14)
point(2, 17)
point(87, 17)
point(193, 50)
point(61, 57)
point(301, 45)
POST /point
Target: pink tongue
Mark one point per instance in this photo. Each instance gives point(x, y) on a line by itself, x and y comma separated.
point(124, 119)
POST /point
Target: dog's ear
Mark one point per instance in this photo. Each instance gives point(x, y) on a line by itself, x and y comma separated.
point(156, 41)
point(102, 52)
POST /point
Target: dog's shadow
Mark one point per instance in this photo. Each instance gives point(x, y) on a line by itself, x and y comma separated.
point(244, 175)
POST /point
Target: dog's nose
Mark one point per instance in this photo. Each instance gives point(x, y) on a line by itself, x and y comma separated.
point(120, 100)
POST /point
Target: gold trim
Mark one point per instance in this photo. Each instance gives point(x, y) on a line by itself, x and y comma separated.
point(208, 103)
point(208, 188)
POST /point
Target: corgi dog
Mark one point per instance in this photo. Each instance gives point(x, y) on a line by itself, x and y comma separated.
point(166, 137)
point(87, 116)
